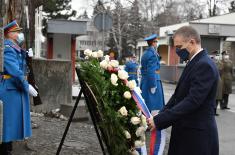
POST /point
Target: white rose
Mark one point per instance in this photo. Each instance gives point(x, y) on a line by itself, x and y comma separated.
point(94, 55)
point(143, 138)
point(121, 67)
point(134, 152)
point(104, 64)
point(135, 120)
point(100, 54)
point(123, 111)
point(106, 58)
point(88, 52)
point(140, 131)
point(114, 79)
point(122, 74)
point(127, 95)
point(114, 63)
point(144, 121)
point(139, 143)
point(127, 134)
point(131, 84)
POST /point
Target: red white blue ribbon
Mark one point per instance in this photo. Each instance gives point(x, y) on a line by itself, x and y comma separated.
point(157, 139)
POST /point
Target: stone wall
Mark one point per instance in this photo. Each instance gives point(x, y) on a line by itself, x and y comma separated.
point(54, 80)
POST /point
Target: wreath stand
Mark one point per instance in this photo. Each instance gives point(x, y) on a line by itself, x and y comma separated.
point(91, 103)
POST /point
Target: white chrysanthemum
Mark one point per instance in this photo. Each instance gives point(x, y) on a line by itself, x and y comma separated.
point(127, 134)
point(114, 79)
point(140, 131)
point(135, 120)
point(131, 84)
point(127, 95)
point(106, 58)
point(114, 63)
point(100, 54)
point(88, 52)
point(104, 64)
point(122, 74)
point(139, 143)
point(94, 54)
point(123, 111)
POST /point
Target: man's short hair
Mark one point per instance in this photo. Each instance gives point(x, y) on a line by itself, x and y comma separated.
point(188, 32)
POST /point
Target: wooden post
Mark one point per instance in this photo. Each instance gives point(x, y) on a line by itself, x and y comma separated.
point(73, 55)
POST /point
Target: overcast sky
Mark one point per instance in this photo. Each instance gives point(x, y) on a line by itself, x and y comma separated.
point(81, 5)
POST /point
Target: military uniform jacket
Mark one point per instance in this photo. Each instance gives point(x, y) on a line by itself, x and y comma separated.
point(190, 110)
point(219, 92)
point(14, 94)
point(150, 78)
point(227, 76)
point(132, 67)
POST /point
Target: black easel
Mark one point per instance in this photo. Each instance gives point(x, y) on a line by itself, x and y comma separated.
point(93, 113)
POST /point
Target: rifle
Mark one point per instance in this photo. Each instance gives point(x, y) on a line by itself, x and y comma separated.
point(37, 99)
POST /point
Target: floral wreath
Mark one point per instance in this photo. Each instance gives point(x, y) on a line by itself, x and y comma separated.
point(123, 123)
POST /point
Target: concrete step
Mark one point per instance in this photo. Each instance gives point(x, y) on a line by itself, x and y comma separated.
point(81, 113)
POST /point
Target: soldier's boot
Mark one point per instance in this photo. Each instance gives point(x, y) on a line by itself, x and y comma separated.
point(6, 148)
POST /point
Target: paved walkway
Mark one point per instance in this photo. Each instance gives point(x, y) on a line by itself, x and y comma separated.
point(82, 140)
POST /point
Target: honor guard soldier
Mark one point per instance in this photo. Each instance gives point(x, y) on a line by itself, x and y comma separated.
point(151, 85)
point(131, 67)
point(14, 90)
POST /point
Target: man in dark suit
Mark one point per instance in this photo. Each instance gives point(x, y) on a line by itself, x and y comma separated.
point(190, 110)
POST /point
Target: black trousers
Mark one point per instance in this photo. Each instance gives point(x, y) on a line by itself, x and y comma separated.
point(224, 103)
point(6, 148)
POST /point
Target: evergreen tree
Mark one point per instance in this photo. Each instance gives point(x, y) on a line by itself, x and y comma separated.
point(232, 7)
point(99, 7)
point(84, 15)
point(54, 9)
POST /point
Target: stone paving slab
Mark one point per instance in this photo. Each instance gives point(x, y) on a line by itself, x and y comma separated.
point(82, 140)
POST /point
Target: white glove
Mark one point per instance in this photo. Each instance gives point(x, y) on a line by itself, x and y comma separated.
point(30, 52)
point(32, 91)
point(153, 90)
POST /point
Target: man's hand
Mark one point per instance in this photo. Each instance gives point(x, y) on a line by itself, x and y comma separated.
point(151, 124)
point(153, 90)
point(32, 91)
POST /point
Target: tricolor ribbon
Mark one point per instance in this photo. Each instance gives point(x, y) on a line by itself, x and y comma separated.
point(158, 137)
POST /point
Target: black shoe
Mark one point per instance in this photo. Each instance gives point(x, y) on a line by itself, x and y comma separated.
point(226, 108)
point(216, 114)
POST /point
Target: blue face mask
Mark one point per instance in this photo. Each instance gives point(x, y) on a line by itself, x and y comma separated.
point(20, 39)
point(182, 53)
